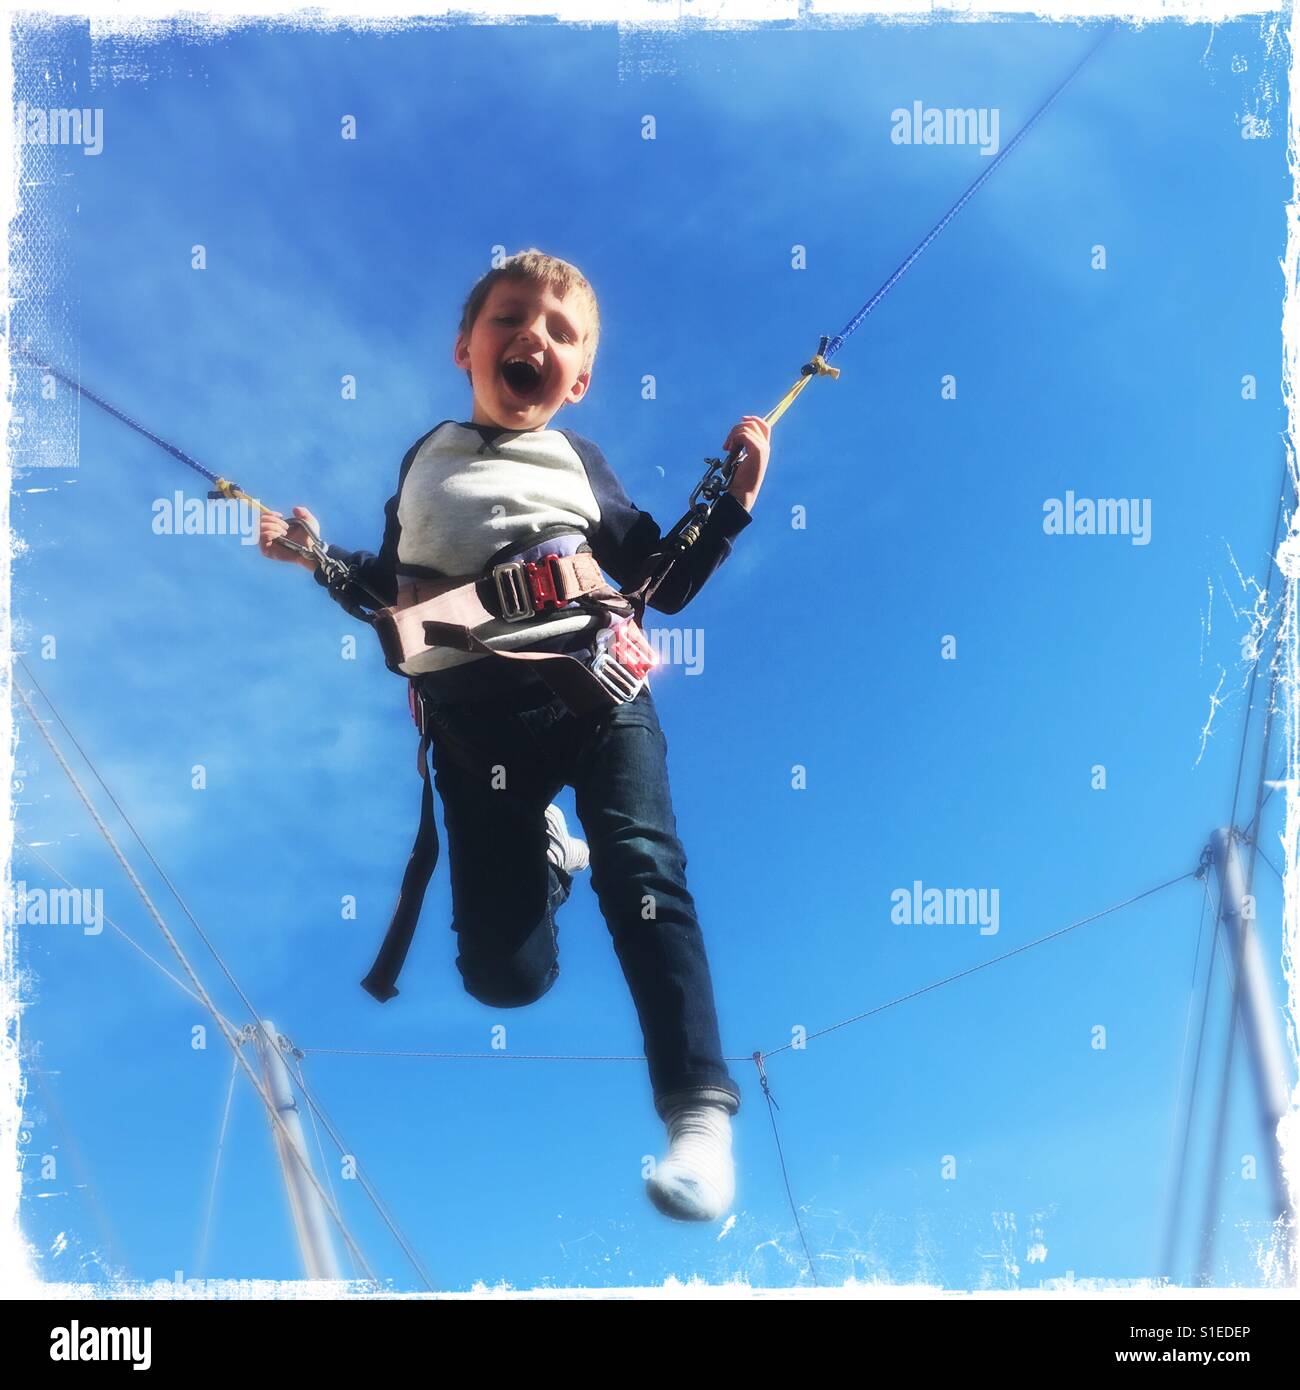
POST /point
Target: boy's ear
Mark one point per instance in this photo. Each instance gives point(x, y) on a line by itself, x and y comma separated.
point(581, 383)
point(460, 351)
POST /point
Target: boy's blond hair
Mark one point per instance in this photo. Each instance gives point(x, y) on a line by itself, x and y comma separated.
point(559, 276)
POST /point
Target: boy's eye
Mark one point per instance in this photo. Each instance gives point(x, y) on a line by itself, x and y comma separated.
point(563, 335)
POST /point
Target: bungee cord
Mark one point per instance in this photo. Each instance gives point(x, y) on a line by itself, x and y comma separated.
point(380, 1206)
point(833, 344)
point(130, 940)
point(294, 1063)
point(201, 1261)
point(772, 1108)
point(139, 839)
point(222, 488)
point(720, 472)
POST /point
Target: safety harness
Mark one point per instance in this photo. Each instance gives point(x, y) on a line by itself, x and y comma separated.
point(455, 613)
point(517, 587)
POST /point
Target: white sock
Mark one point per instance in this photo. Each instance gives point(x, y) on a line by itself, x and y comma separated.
point(696, 1181)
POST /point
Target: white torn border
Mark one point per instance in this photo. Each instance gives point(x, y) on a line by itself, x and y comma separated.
point(1288, 560)
point(136, 16)
point(138, 23)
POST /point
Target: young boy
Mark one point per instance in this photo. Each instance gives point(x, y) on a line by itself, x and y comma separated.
point(504, 486)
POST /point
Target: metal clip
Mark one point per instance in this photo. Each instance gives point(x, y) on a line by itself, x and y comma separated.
point(616, 678)
point(511, 580)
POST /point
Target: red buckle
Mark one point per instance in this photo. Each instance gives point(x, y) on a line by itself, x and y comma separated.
point(541, 580)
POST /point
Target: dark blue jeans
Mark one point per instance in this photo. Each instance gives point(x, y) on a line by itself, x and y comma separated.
point(498, 763)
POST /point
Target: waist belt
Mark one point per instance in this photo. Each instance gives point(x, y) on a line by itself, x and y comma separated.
point(453, 613)
point(514, 592)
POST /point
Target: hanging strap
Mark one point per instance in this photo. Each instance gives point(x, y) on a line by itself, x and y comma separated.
point(381, 982)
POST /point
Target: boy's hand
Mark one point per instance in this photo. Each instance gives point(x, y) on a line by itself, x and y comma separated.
point(754, 435)
point(273, 526)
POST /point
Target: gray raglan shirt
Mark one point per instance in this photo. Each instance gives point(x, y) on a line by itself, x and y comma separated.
point(468, 495)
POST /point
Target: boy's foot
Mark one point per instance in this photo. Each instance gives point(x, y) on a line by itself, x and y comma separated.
point(562, 849)
point(697, 1180)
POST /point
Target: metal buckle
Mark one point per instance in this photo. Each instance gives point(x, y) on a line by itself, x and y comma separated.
point(617, 679)
point(629, 647)
point(511, 580)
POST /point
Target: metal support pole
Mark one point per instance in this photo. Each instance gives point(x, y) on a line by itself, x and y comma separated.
point(310, 1219)
point(1254, 1009)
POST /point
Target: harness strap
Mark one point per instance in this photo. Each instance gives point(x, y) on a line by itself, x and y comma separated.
point(381, 982)
point(570, 576)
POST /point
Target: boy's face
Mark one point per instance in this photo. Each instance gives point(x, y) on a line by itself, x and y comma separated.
point(524, 355)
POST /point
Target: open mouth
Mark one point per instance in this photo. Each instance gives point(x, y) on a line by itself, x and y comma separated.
point(524, 378)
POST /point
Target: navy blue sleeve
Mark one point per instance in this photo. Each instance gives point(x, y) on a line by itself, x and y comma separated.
point(627, 538)
point(371, 577)
point(375, 576)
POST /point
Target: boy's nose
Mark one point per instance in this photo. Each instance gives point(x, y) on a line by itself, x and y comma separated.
point(529, 340)
point(533, 332)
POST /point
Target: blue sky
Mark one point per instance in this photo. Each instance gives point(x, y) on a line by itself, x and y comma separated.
point(328, 257)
